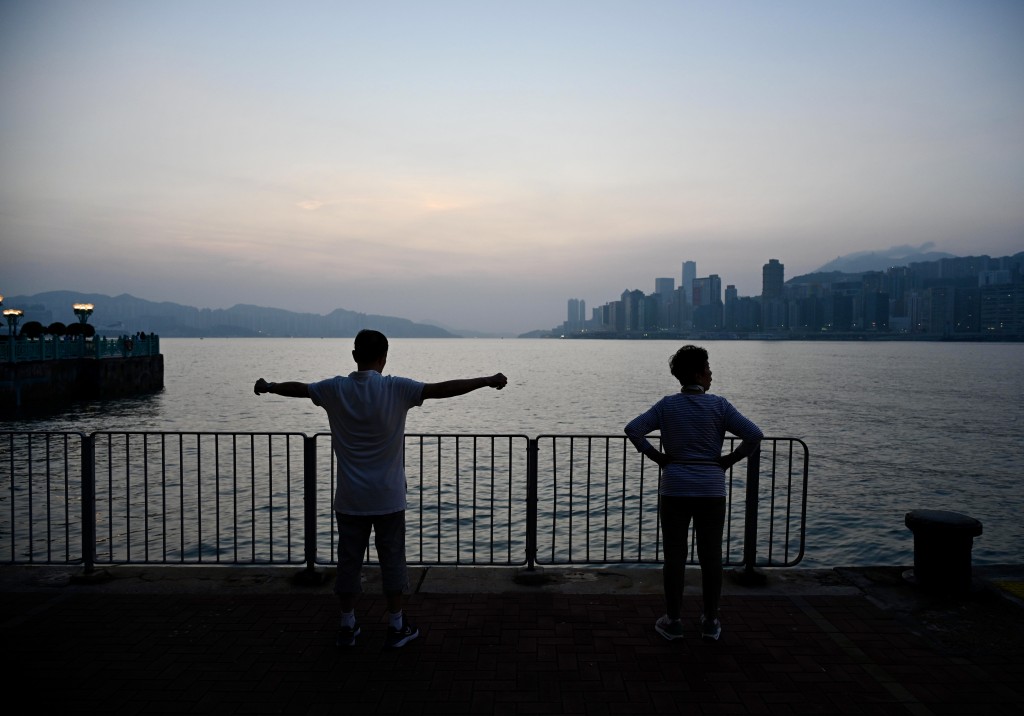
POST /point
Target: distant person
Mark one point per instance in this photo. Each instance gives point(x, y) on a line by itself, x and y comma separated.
point(367, 413)
point(693, 424)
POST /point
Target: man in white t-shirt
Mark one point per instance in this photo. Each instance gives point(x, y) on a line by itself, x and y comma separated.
point(367, 413)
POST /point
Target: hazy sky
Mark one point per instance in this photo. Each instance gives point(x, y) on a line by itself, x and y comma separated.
point(479, 163)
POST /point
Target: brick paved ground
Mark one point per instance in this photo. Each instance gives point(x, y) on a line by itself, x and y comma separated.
point(513, 653)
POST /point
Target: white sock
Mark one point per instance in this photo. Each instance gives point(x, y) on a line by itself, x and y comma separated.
point(395, 620)
point(348, 619)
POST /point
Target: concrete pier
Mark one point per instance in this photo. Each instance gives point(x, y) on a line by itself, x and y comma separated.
point(42, 386)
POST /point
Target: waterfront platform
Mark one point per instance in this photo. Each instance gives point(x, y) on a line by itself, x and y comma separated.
point(247, 640)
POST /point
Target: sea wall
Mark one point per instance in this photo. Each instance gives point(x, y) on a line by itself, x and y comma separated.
point(44, 386)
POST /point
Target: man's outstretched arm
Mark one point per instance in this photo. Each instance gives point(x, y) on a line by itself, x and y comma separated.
point(290, 389)
point(452, 388)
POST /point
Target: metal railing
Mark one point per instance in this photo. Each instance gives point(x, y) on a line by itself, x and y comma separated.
point(265, 498)
point(22, 350)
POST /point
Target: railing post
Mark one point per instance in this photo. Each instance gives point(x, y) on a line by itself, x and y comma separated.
point(309, 575)
point(88, 504)
point(532, 498)
point(750, 576)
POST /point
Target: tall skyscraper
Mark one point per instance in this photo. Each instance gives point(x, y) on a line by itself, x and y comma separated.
point(774, 311)
point(664, 286)
point(689, 276)
point(576, 317)
point(707, 291)
point(773, 276)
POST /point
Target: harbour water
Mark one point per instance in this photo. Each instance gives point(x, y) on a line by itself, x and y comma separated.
point(891, 427)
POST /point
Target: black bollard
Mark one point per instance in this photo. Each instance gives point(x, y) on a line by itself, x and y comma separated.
point(942, 549)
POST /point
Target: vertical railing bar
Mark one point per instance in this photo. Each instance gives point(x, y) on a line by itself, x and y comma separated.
point(31, 506)
point(252, 504)
point(309, 503)
point(288, 497)
point(609, 502)
point(640, 513)
point(728, 506)
point(110, 497)
point(145, 497)
point(590, 494)
point(750, 526)
point(511, 494)
point(622, 498)
point(14, 540)
point(604, 500)
point(234, 496)
point(181, 496)
point(216, 497)
point(572, 491)
point(163, 493)
point(532, 498)
point(334, 519)
point(127, 499)
point(458, 501)
point(554, 496)
point(440, 516)
point(88, 503)
point(49, 512)
point(771, 502)
point(789, 499)
point(607, 477)
point(803, 501)
point(67, 499)
point(475, 511)
point(423, 482)
point(270, 499)
point(493, 502)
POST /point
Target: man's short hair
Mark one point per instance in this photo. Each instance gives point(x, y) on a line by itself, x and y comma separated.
point(687, 363)
point(370, 345)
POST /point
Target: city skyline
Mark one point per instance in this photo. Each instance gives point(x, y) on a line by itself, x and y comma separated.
point(967, 297)
point(470, 164)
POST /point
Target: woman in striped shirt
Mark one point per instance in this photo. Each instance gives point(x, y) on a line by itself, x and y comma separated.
point(692, 424)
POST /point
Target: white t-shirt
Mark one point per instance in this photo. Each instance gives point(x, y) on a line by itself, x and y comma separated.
point(367, 413)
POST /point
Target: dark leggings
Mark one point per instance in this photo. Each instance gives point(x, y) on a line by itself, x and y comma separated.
point(708, 515)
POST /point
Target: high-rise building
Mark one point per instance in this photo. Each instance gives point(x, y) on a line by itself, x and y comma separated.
point(707, 303)
point(664, 286)
point(576, 317)
point(707, 290)
point(773, 276)
point(689, 276)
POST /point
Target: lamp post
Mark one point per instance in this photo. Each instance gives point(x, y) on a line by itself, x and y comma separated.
point(83, 311)
point(13, 315)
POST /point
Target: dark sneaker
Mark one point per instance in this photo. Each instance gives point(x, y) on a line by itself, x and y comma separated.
point(710, 628)
point(347, 636)
point(669, 628)
point(400, 637)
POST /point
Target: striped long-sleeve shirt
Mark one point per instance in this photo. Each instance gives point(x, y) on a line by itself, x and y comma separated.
point(692, 427)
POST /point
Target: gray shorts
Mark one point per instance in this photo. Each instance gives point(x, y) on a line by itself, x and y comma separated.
point(353, 541)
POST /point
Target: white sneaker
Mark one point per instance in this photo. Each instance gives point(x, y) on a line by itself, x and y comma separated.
point(671, 629)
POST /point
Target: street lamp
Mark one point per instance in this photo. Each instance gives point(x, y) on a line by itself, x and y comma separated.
point(13, 315)
point(83, 311)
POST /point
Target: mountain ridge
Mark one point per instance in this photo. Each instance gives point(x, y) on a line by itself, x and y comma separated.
point(128, 314)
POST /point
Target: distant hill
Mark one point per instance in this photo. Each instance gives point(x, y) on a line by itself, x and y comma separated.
point(863, 261)
point(126, 314)
point(852, 267)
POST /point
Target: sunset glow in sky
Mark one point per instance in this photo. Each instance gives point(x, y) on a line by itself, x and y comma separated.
point(478, 163)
